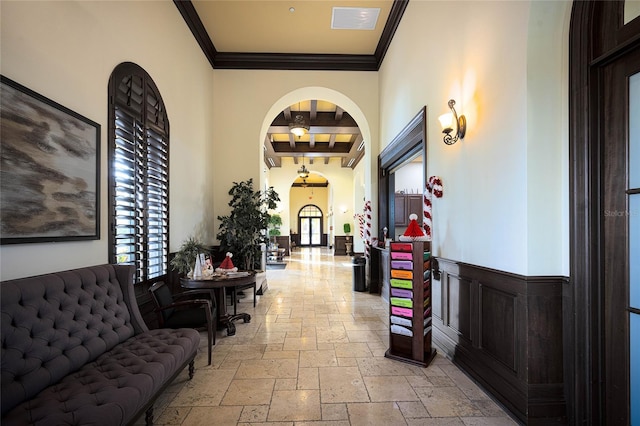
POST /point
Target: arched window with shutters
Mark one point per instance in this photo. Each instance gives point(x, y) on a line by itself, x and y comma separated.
point(138, 161)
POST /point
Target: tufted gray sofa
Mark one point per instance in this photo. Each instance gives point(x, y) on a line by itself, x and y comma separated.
point(75, 350)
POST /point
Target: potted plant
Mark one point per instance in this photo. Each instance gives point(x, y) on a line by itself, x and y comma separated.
point(347, 228)
point(243, 230)
point(185, 259)
point(275, 221)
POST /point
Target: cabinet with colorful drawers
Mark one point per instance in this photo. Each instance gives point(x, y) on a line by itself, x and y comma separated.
point(410, 303)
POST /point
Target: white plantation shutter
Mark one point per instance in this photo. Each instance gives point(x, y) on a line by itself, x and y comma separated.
point(138, 173)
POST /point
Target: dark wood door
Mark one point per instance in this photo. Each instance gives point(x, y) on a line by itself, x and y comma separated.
point(620, 191)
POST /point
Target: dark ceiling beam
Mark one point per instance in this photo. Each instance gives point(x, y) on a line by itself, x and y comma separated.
point(318, 129)
point(291, 61)
point(283, 149)
point(295, 61)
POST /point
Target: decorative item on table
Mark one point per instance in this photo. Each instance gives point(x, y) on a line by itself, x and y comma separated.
point(227, 265)
point(414, 232)
point(206, 265)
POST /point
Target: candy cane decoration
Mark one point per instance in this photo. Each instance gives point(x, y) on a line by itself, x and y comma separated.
point(434, 187)
point(367, 228)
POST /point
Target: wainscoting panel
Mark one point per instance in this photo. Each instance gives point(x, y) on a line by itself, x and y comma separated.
point(505, 330)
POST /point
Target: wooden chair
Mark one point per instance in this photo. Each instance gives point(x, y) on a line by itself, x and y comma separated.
point(189, 309)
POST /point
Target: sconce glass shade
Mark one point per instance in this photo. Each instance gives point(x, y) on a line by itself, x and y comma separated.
point(448, 120)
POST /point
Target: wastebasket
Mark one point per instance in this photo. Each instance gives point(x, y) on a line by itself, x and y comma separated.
point(359, 279)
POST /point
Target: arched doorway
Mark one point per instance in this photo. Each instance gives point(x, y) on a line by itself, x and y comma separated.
point(310, 225)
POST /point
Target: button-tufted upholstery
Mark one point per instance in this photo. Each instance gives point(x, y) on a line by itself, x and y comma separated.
point(76, 351)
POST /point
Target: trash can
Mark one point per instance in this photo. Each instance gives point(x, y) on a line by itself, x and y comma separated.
point(359, 278)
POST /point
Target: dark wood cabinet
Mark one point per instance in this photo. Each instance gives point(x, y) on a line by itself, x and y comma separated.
point(405, 204)
point(340, 247)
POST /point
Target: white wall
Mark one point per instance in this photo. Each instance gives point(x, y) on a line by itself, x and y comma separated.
point(486, 56)
point(66, 51)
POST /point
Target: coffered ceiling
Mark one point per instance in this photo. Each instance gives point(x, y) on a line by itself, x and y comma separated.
point(327, 35)
point(333, 135)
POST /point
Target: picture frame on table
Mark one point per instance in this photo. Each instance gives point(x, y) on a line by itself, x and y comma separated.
point(50, 174)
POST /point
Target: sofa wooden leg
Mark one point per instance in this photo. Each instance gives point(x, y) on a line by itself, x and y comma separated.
point(191, 368)
point(148, 417)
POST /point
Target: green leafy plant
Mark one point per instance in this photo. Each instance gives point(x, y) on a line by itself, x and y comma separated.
point(275, 222)
point(185, 259)
point(347, 228)
point(244, 229)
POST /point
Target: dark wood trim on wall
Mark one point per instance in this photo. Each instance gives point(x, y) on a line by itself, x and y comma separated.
point(291, 61)
point(505, 330)
point(410, 141)
point(597, 37)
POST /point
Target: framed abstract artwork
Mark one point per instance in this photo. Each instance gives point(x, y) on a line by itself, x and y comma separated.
point(50, 169)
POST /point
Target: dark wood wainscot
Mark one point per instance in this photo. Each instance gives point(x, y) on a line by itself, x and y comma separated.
point(340, 248)
point(505, 330)
point(283, 243)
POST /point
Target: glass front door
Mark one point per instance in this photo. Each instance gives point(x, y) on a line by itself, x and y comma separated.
point(310, 225)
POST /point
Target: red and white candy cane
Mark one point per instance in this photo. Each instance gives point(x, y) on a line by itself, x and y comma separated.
point(433, 188)
point(367, 228)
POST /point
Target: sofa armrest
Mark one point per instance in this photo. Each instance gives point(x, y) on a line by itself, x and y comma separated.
point(125, 274)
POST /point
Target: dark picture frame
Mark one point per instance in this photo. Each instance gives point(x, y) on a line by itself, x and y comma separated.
point(50, 170)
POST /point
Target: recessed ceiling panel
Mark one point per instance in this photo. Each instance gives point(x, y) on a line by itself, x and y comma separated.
point(270, 27)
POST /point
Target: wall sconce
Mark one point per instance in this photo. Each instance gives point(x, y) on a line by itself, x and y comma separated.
point(447, 121)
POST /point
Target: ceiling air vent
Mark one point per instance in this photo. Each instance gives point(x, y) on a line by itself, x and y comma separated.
point(354, 18)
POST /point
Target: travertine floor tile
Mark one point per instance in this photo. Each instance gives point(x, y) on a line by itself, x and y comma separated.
point(249, 392)
point(342, 384)
point(295, 405)
point(376, 413)
point(389, 388)
point(201, 416)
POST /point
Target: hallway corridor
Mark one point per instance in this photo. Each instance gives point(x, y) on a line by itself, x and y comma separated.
point(313, 354)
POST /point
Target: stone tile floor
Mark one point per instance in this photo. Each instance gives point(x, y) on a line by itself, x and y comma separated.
point(313, 354)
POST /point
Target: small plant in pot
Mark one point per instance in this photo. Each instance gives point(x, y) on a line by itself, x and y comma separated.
point(185, 259)
point(275, 221)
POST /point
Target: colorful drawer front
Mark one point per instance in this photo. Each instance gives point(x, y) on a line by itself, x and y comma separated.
point(399, 292)
point(399, 301)
point(401, 255)
point(403, 312)
point(397, 283)
point(402, 264)
point(399, 273)
point(401, 247)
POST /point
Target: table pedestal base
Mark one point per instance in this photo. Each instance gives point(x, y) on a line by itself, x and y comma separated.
point(228, 320)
